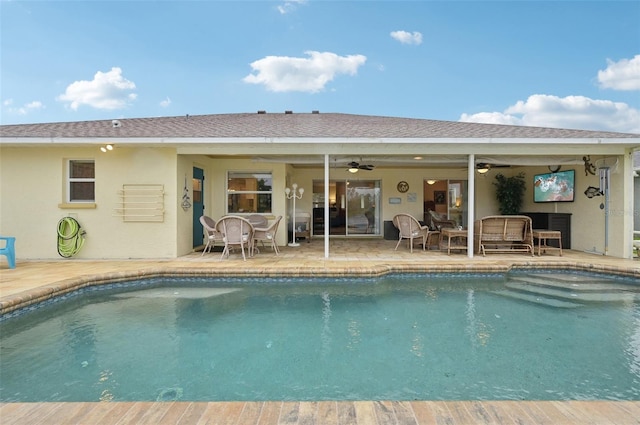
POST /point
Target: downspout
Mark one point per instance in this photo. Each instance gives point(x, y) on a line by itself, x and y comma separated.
point(471, 195)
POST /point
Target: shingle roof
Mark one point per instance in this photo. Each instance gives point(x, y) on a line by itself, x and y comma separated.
point(294, 125)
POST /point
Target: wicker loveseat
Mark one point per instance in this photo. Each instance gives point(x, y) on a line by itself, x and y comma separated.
point(503, 233)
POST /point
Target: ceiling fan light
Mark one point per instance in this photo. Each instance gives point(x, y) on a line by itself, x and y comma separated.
point(484, 170)
point(353, 169)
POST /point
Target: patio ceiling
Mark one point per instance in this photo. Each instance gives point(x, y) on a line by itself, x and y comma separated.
point(413, 161)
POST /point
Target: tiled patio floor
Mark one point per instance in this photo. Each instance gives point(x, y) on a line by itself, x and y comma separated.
point(33, 280)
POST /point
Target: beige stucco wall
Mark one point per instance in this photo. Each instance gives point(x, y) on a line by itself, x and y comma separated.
point(33, 179)
point(32, 187)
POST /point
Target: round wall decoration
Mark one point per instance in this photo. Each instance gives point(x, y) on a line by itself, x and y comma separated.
point(403, 186)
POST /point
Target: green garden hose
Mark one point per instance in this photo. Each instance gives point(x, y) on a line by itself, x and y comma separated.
point(70, 237)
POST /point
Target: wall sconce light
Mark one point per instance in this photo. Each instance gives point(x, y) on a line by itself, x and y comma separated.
point(107, 148)
point(430, 182)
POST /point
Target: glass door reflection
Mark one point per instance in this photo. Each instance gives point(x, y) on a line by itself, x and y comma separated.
point(354, 207)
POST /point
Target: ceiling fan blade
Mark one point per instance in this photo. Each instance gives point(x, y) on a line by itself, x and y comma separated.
point(487, 165)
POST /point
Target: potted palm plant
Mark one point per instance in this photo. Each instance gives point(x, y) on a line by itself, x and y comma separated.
point(510, 192)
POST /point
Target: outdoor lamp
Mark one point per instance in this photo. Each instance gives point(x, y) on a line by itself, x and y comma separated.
point(291, 194)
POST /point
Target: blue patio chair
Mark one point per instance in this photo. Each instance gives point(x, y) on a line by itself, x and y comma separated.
point(9, 250)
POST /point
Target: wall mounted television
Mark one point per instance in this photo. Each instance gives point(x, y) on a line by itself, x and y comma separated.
point(554, 187)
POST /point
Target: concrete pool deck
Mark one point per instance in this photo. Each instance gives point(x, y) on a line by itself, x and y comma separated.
point(33, 281)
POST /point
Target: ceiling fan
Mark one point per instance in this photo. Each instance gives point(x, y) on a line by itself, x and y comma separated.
point(354, 166)
point(484, 167)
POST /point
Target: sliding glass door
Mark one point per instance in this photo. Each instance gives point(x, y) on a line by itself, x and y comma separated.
point(354, 207)
point(446, 200)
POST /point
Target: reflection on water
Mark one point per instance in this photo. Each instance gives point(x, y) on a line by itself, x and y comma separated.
point(633, 348)
point(397, 338)
point(326, 325)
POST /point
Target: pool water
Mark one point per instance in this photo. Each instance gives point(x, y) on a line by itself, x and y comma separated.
point(403, 337)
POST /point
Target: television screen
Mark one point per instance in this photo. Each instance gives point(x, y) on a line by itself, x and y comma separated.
point(554, 187)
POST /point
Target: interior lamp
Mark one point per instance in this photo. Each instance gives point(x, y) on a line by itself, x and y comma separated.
point(353, 170)
point(483, 170)
point(430, 182)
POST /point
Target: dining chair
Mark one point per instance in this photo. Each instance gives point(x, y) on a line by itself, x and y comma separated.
point(258, 220)
point(213, 235)
point(236, 231)
point(267, 234)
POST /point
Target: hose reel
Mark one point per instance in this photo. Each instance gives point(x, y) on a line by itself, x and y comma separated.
point(70, 237)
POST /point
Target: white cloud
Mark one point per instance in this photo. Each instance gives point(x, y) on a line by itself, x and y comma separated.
point(289, 6)
point(406, 37)
point(108, 90)
point(576, 112)
point(36, 104)
point(165, 103)
point(622, 75)
point(286, 74)
point(24, 109)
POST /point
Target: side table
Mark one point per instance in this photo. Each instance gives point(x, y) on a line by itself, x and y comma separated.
point(543, 235)
point(459, 239)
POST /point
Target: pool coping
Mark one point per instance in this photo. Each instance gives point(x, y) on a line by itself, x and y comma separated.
point(33, 296)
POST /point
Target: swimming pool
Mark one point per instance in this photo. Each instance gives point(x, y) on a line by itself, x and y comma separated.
point(551, 336)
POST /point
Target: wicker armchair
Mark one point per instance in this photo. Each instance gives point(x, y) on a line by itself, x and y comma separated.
point(440, 221)
point(410, 228)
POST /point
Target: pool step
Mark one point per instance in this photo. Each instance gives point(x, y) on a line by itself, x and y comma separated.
point(537, 299)
point(575, 282)
point(568, 290)
point(576, 295)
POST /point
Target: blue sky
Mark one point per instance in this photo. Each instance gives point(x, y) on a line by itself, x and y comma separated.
point(571, 64)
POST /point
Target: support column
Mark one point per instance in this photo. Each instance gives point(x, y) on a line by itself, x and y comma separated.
point(326, 205)
point(471, 196)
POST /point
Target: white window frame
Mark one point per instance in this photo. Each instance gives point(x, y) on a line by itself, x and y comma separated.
point(230, 174)
point(71, 180)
